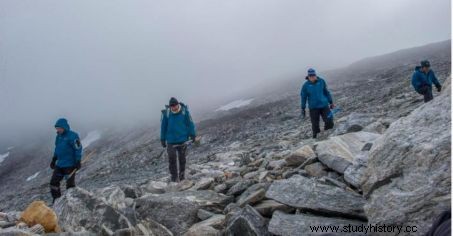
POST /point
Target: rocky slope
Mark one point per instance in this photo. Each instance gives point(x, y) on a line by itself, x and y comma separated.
point(257, 171)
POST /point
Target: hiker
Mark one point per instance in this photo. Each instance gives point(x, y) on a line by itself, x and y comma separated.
point(423, 79)
point(66, 158)
point(176, 129)
point(319, 101)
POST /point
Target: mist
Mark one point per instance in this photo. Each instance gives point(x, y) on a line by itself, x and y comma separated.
point(117, 63)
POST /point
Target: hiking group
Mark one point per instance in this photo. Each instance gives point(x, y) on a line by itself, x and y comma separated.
point(178, 129)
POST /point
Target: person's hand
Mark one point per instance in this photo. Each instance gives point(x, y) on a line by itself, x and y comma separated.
point(78, 165)
point(52, 164)
point(302, 113)
point(439, 88)
point(332, 106)
point(164, 144)
point(192, 138)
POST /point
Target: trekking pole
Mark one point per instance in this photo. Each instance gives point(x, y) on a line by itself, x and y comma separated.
point(87, 157)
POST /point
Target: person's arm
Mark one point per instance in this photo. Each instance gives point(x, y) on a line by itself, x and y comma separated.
point(163, 126)
point(327, 93)
point(303, 97)
point(192, 132)
point(78, 149)
point(54, 157)
point(435, 81)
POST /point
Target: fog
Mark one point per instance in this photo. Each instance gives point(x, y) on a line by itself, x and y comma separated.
point(107, 62)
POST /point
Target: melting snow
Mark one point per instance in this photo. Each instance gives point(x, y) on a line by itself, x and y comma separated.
point(235, 104)
point(33, 176)
point(3, 156)
point(91, 138)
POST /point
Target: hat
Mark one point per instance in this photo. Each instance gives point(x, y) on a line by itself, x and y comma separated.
point(425, 63)
point(311, 72)
point(173, 101)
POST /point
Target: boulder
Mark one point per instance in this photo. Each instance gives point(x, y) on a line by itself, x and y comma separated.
point(408, 177)
point(39, 213)
point(79, 209)
point(152, 228)
point(251, 198)
point(204, 214)
point(113, 195)
point(300, 156)
point(207, 227)
point(246, 222)
point(309, 194)
point(155, 187)
point(353, 122)
point(203, 184)
point(339, 152)
point(221, 188)
point(268, 207)
point(277, 164)
point(178, 210)
point(240, 187)
point(354, 175)
point(301, 224)
point(316, 169)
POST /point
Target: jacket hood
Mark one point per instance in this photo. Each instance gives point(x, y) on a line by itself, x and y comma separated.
point(63, 123)
point(417, 68)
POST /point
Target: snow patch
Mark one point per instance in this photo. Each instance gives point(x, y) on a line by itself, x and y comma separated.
point(33, 176)
point(235, 104)
point(3, 156)
point(91, 138)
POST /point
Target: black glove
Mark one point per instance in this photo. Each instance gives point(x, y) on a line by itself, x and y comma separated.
point(302, 113)
point(78, 165)
point(192, 138)
point(439, 88)
point(52, 164)
point(164, 144)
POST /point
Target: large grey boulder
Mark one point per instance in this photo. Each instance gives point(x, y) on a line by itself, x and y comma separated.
point(80, 210)
point(309, 194)
point(302, 224)
point(339, 152)
point(246, 222)
point(178, 210)
point(408, 179)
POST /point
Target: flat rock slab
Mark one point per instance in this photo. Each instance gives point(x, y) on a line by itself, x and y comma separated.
point(309, 194)
point(178, 210)
point(339, 152)
point(288, 225)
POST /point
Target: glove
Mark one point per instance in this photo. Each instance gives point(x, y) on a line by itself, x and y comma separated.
point(302, 113)
point(52, 164)
point(439, 88)
point(332, 106)
point(192, 138)
point(78, 165)
point(164, 144)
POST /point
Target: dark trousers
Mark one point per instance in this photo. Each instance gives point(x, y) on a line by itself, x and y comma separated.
point(177, 152)
point(58, 175)
point(427, 93)
point(314, 117)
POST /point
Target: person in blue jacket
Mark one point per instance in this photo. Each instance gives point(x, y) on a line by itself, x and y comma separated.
point(66, 158)
point(177, 128)
point(315, 91)
point(423, 80)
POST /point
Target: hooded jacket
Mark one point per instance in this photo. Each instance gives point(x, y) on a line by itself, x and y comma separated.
point(68, 148)
point(317, 94)
point(177, 127)
point(420, 79)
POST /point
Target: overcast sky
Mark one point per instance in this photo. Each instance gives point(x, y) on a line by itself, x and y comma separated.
point(108, 61)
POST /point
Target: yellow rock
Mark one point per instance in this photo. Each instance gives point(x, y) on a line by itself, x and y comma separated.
point(38, 213)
